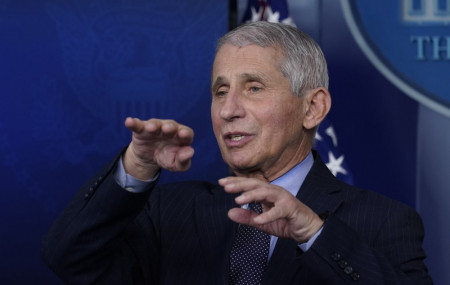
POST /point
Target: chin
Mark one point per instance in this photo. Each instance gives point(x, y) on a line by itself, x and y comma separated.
point(241, 167)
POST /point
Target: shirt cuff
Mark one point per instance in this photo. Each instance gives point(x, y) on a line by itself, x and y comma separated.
point(130, 183)
point(306, 245)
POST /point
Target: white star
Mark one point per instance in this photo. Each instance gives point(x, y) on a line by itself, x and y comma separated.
point(330, 131)
point(273, 17)
point(318, 136)
point(335, 165)
point(256, 15)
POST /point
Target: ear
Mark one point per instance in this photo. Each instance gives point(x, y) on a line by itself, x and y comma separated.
point(318, 103)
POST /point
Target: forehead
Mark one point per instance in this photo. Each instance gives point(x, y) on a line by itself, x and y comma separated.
point(250, 57)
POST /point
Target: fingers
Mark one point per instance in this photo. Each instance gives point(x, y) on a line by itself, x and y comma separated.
point(275, 200)
point(134, 125)
point(242, 216)
point(252, 190)
point(283, 214)
point(158, 144)
point(175, 159)
point(260, 221)
point(163, 129)
point(185, 154)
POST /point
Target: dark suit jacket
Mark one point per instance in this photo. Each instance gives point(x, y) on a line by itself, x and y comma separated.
point(180, 234)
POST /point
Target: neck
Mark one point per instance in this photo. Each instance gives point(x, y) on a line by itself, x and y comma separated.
point(273, 173)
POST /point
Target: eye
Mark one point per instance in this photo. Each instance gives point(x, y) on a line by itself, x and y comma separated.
point(255, 89)
point(253, 86)
point(221, 92)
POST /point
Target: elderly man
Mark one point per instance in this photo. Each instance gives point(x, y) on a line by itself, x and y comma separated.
point(282, 219)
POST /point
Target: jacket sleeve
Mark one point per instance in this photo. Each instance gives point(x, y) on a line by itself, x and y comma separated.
point(98, 239)
point(394, 255)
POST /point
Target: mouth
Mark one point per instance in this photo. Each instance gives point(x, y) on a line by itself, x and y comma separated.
point(236, 139)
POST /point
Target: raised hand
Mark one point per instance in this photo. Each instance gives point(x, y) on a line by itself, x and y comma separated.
point(157, 144)
point(283, 214)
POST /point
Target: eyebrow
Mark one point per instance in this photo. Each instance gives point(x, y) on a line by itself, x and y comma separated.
point(248, 77)
point(218, 82)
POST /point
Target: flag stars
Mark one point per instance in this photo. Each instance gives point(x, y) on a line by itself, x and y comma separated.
point(330, 132)
point(256, 15)
point(265, 13)
point(318, 136)
point(273, 17)
point(335, 165)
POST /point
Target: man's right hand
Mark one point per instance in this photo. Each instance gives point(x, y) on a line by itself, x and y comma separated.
point(157, 144)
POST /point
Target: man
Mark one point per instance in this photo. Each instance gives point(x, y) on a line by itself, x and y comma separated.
point(269, 93)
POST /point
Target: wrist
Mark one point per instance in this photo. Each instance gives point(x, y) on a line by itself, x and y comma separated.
point(137, 168)
point(314, 227)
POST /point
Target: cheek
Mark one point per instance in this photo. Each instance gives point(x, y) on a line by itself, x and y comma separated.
point(277, 117)
point(216, 124)
point(214, 118)
point(282, 123)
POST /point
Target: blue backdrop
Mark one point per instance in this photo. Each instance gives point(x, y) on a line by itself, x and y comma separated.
point(71, 71)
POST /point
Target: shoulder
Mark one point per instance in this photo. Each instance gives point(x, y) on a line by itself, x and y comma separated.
point(372, 200)
point(354, 205)
point(368, 212)
point(320, 176)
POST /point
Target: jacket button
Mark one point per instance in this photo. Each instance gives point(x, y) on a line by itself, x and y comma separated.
point(348, 270)
point(89, 193)
point(342, 264)
point(355, 276)
point(335, 256)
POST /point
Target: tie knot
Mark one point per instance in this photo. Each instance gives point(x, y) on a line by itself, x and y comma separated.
point(255, 207)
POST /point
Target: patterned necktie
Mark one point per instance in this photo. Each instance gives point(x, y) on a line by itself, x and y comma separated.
point(248, 258)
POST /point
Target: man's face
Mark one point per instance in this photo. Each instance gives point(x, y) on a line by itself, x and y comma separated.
point(257, 120)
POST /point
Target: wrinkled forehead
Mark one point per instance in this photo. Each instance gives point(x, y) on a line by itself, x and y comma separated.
point(277, 55)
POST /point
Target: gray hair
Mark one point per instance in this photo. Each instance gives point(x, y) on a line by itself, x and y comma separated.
point(304, 62)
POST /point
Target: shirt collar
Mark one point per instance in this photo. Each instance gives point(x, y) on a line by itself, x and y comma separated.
point(293, 179)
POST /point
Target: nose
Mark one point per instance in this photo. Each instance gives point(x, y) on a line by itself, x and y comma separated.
point(232, 107)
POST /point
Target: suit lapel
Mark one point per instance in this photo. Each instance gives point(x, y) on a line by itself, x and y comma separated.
point(321, 192)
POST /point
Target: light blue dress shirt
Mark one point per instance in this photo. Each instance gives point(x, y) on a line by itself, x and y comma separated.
point(292, 181)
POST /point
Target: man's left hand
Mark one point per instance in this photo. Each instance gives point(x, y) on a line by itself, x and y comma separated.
point(283, 214)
